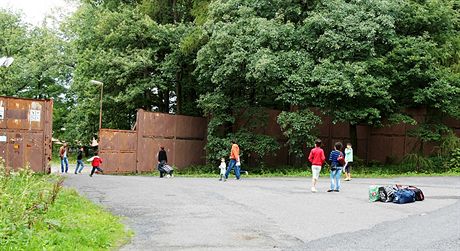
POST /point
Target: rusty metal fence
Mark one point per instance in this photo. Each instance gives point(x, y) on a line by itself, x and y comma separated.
point(136, 151)
point(25, 133)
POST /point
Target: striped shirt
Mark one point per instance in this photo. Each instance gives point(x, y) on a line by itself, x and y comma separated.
point(333, 158)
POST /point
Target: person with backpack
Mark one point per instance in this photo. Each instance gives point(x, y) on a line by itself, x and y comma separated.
point(316, 158)
point(337, 162)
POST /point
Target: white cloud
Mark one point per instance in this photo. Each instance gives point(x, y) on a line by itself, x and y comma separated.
point(36, 10)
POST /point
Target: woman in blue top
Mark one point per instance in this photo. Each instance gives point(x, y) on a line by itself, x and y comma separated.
point(336, 167)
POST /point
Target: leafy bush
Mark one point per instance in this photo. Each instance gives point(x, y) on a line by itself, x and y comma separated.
point(36, 213)
point(454, 161)
point(417, 161)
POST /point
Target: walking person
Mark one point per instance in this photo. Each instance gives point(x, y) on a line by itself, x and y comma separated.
point(162, 160)
point(316, 158)
point(79, 161)
point(96, 161)
point(337, 162)
point(348, 161)
point(234, 158)
point(223, 168)
point(63, 151)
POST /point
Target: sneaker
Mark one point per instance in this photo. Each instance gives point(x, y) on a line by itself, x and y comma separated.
point(330, 190)
point(220, 179)
point(90, 175)
point(313, 190)
point(225, 179)
point(336, 191)
point(246, 172)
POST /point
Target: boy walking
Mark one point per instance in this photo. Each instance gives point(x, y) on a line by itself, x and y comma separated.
point(317, 158)
point(96, 161)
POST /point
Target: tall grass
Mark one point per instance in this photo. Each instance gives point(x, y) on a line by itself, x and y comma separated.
point(37, 213)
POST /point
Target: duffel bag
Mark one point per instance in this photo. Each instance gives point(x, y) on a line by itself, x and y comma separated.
point(386, 193)
point(403, 196)
point(418, 193)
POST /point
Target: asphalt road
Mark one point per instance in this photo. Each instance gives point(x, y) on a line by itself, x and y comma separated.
point(276, 213)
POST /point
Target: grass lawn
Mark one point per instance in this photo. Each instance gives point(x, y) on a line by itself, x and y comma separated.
point(36, 213)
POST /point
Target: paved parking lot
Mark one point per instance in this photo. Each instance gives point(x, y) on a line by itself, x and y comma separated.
point(276, 213)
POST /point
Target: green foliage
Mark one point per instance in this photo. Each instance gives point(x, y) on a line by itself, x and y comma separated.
point(298, 127)
point(35, 215)
point(417, 161)
point(454, 161)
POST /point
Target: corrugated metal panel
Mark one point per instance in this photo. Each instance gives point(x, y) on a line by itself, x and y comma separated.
point(117, 148)
point(25, 133)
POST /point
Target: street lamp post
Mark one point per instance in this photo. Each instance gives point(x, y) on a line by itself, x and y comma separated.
point(100, 109)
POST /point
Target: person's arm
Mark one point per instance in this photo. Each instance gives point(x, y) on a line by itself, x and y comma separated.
point(91, 159)
point(310, 156)
point(166, 157)
point(323, 158)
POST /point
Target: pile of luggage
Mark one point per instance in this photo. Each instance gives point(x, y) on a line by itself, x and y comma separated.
point(397, 194)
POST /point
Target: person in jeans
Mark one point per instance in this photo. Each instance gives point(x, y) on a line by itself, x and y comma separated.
point(162, 160)
point(234, 158)
point(79, 161)
point(96, 161)
point(63, 155)
point(336, 167)
point(317, 158)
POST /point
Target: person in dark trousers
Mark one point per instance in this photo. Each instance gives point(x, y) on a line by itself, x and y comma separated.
point(96, 161)
point(162, 160)
point(79, 161)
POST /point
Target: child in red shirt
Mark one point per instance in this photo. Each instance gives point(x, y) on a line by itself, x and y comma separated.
point(317, 159)
point(96, 161)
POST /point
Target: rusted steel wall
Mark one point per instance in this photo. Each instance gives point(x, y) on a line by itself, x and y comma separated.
point(25, 133)
point(117, 149)
point(386, 144)
point(182, 136)
point(136, 151)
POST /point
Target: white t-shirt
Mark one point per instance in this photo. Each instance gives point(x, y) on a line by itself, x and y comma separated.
point(65, 154)
point(223, 167)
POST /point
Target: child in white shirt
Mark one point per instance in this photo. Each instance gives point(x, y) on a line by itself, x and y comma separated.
point(223, 168)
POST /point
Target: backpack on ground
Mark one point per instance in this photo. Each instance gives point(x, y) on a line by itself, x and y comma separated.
point(402, 196)
point(418, 193)
point(373, 193)
point(386, 193)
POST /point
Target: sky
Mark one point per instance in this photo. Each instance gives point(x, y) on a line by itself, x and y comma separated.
point(36, 10)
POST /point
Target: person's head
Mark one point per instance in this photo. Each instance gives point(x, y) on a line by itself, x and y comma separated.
point(81, 148)
point(162, 148)
point(65, 144)
point(348, 145)
point(338, 146)
point(317, 142)
point(233, 141)
point(222, 160)
point(96, 153)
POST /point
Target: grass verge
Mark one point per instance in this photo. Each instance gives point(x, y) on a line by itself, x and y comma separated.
point(36, 213)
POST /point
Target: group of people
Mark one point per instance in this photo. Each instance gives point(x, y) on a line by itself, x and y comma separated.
point(341, 161)
point(96, 161)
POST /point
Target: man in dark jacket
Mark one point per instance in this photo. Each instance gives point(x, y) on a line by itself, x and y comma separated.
point(162, 160)
point(79, 161)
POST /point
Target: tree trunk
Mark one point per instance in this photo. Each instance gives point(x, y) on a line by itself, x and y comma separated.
point(354, 137)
